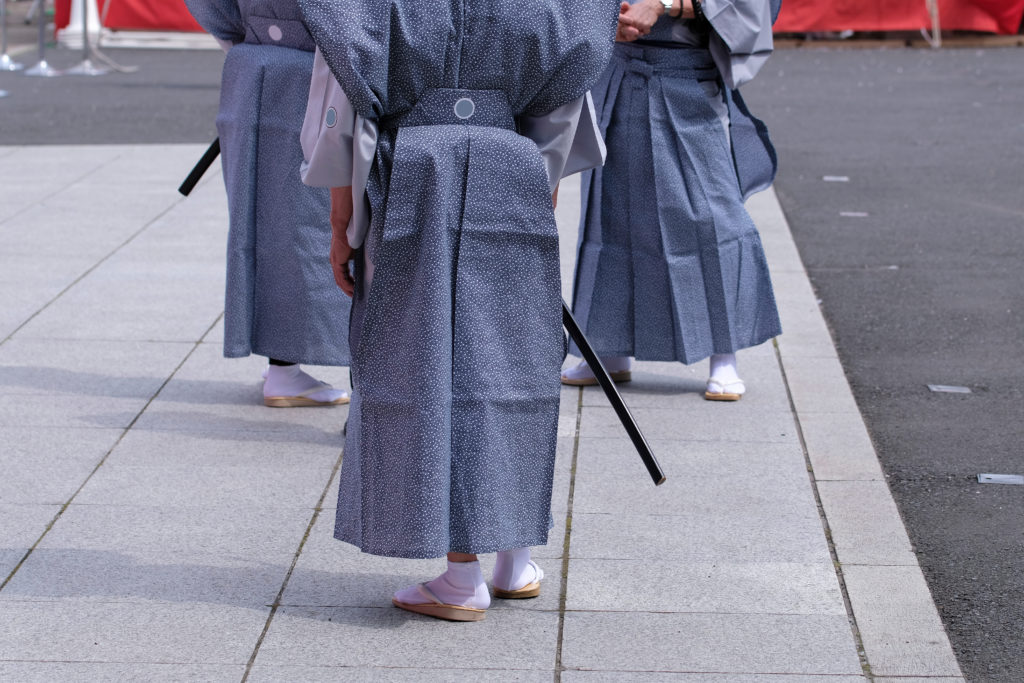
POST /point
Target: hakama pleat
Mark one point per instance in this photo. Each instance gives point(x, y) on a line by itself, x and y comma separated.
point(281, 299)
point(458, 344)
point(670, 265)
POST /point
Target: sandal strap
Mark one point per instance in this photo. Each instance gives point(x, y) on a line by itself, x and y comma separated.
point(738, 384)
point(430, 595)
point(320, 386)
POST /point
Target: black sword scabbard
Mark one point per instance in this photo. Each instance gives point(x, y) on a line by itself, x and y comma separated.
point(610, 390)
point(211, 154)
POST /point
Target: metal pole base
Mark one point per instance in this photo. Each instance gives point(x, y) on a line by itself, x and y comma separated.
point(8, 64)
point(3, 93)
point(43, 70)
point(87, 68)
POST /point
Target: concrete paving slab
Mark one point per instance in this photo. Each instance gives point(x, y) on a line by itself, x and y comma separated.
point(215, 337)
point(708, 535)
point(109, 369)
point(818, 385)
point(270, 535)
point(840, 448)
point(563, 475)
point(68, 411)
point(898, 622)
point(138, 309)
point(31, 174)
point(47, 466)
point(56, 218)
point(225, 449)
point(806, 333)
point(18, 307)
point(664, 423)
point(700, 475)
point(127, 575)
point(116, 672)
point(390, 637)
point(721, 588)
point(324, 674)
point(658, 677)
point(196, 486)
point(21, 527)
point(37, 275)
point(165, 284)
point(123, 633)
point(865, 523)
point(709, 643)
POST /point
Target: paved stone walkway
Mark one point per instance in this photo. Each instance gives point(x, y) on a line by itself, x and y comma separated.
point(158, 523)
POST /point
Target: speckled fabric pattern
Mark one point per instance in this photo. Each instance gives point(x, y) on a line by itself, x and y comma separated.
point(457, 339)
point(670, 265)
point(281, 299)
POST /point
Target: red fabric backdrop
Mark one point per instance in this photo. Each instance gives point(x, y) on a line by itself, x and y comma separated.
point(993, 16)
point(155, 15)
point(798, 16)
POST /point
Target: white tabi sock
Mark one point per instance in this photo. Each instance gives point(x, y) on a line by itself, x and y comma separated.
point(514, 570)
point(463, 585)
point(290, 380)
point(723, 368)
point(611, 363)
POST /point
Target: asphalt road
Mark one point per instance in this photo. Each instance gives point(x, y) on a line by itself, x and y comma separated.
point(171, 98)
point(926, 288)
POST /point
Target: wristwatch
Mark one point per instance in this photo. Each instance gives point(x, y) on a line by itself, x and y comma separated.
point(667, 4)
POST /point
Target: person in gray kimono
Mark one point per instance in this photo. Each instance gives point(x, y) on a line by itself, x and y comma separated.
point(670, 265)
point(443, 129)
point(281, 301)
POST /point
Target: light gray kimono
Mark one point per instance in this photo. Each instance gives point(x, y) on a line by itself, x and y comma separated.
point(281, 299)
point(457, 118)
point(670, 265)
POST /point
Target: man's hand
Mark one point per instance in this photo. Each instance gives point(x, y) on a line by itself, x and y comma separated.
point(636, 21)
point(341, 252)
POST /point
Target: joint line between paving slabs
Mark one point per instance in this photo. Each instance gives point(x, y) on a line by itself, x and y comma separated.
point(90, 271)
point(295, 560)
point(568, 537)
point(103, 460)
point(865, 665)
point(53, 194)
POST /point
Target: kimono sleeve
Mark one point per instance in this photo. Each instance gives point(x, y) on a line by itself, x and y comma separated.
point(568, 138)
point(338, 145)
point(220, 18)
point(742, 40)
point(328, 131)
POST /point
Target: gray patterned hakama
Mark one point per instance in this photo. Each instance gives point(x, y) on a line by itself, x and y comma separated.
point(457, 337)
point(670, 266)
point(281, 300)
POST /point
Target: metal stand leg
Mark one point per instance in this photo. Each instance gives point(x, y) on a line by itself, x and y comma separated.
point(6, 63)
point(36, 8)
point(42, 69)
point(86, 67)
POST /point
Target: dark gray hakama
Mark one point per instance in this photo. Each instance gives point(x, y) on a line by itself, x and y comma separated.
point(475, 401)
point(670, 265)
point(457, 337)
point(281, 299)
